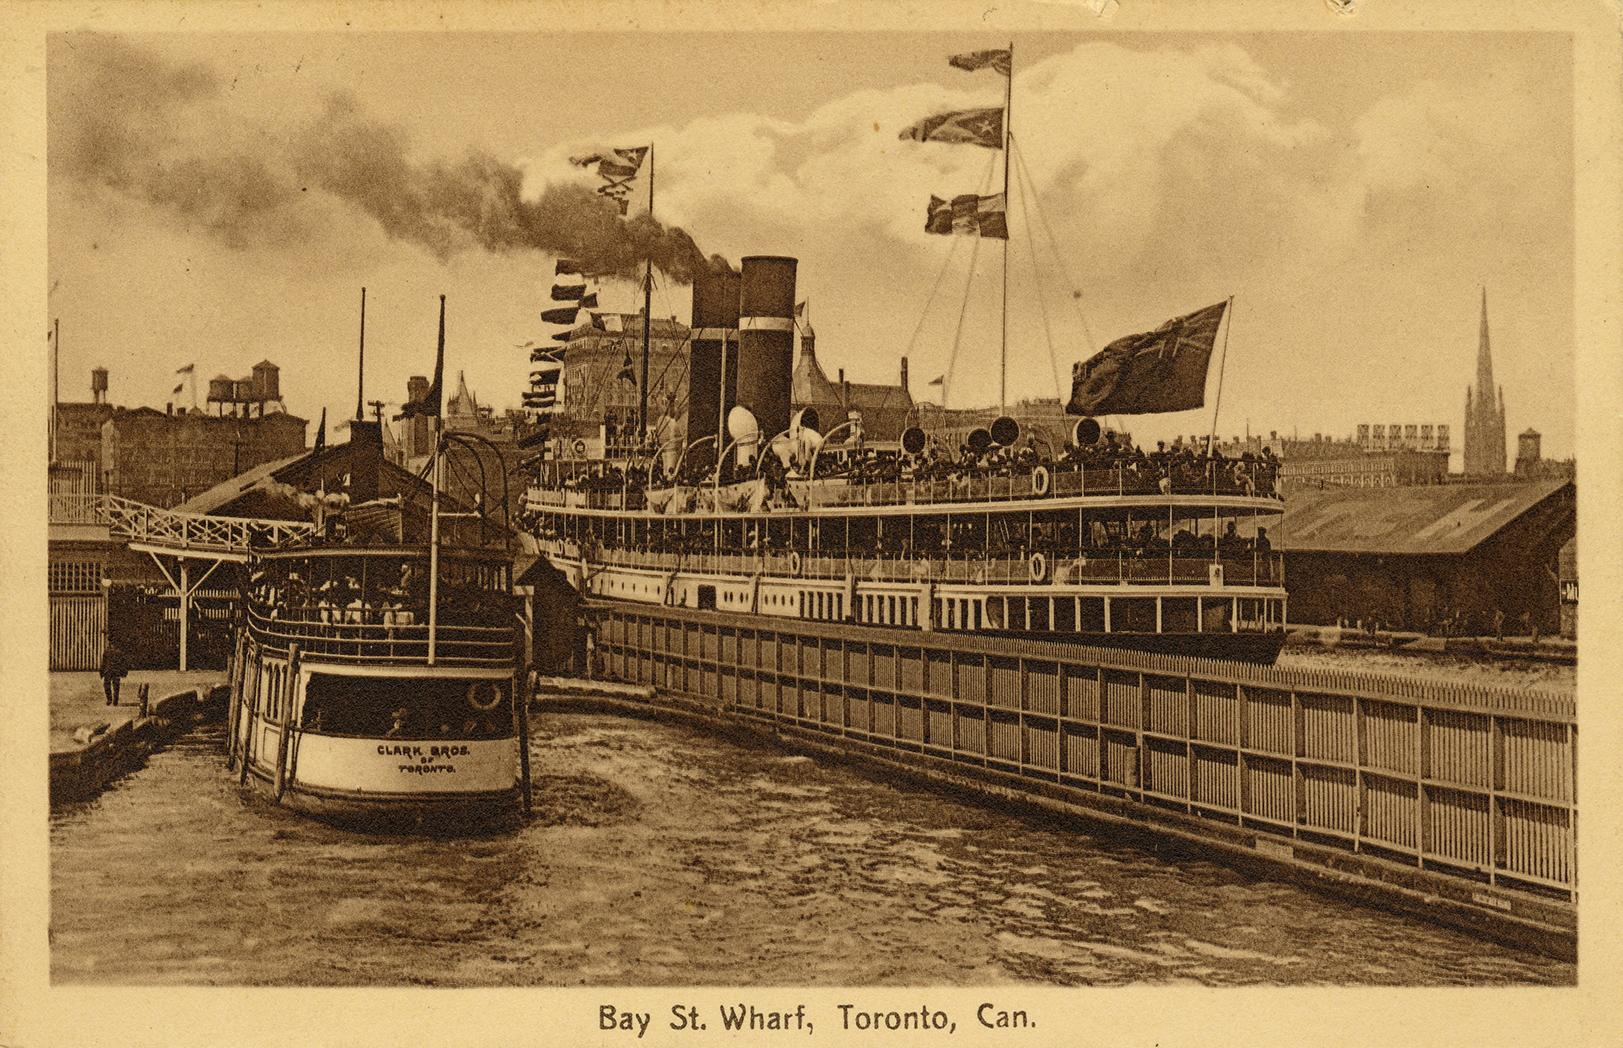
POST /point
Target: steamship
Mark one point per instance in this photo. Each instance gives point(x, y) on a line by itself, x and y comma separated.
point(763, 510)
point(376, 676)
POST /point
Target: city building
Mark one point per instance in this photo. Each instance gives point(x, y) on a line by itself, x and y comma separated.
point(473, 464)
point(1379, 455)
point(162, 458)
point(1484, 412)
point(76, 439)
point(882, 410)
point(602, 369)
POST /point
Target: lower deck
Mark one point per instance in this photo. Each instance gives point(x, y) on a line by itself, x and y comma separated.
point(1207, 619)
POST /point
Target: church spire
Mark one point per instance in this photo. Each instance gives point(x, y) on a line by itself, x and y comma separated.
point(1484, 357)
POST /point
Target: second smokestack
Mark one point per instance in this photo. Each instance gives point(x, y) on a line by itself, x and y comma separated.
point(766, 350)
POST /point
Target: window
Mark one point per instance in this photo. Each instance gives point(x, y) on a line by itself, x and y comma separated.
point(435, 708)
point(75, 576)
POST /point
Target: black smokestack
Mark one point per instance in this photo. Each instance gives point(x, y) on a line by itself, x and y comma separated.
point(715, 317)
point(126, 119)
point(766, 341)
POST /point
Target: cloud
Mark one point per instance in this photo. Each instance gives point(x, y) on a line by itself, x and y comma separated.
point(125, 121)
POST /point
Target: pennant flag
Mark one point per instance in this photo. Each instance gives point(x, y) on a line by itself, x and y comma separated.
point(568, 292)
point(627, 372)
point(975, 127)
point(560, 315)
point(968, 214)
point(613, 164)
point(1156, 371)
point(321, 433)
point(800, 310)
point(176, 391)
point(939, 380)
point(187, 370)
point(970, 61)
point(543, 393)
point(589, 301)
point(566, 265)
point(563, 336)
point(429, 405)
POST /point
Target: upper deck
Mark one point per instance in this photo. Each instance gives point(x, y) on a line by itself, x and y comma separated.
point(370, 604)
point(1237, 485)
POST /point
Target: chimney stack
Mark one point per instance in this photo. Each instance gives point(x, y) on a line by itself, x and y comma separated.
point(904, 374)
point(714, 330)
point(766, 341)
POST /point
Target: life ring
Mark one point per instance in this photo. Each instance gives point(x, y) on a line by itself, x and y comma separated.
point(794, 562)
point(1040, 480)
point(1039, 567)
point(487, 687)
point(580, 446)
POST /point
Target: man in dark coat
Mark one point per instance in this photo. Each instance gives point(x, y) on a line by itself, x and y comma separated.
point(114, 666)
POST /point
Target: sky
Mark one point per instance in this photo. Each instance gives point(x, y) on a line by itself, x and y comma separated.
point(221, 199)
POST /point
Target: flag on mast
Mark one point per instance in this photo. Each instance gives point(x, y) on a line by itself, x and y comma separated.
point(998, 59)
point(975, 127)
point(1151, 372)
point(187, 370)
point(968, 214)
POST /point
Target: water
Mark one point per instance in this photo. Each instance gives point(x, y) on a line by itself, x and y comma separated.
point(664, 856)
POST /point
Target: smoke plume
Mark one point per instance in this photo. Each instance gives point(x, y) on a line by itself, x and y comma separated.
point(128, 120)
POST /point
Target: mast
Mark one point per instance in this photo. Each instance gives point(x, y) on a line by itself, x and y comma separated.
point(434, 512)
point(1008, 137)
point(360, 378)
point(647, 313)
point(56, 379)
point(1222, 365)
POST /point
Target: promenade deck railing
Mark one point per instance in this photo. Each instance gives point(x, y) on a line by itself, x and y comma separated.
point(151, 525)
point(967, 486)
point(1158, 568)
point(1473, 781)
point(395, 639)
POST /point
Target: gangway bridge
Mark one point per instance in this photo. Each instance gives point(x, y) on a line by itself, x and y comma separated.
point(186, 547)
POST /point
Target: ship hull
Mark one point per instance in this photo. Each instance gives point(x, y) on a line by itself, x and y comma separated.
point(427, 812)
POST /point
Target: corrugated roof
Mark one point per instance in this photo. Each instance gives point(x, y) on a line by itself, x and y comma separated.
point(1437, 518)
point(229, 490)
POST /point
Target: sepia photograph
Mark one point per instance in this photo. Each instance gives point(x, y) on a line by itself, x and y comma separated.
point(818, 508)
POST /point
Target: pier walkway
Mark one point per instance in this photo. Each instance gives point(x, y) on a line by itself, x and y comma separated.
point(186, 547)
point(77, 701)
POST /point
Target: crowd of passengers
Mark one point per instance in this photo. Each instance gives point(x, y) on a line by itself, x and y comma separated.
point(344, 600)
point(965, 540)
point(1181, 466)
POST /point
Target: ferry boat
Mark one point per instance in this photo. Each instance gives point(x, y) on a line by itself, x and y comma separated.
point(1095, 544)
point(378, 683)
point(759, 511)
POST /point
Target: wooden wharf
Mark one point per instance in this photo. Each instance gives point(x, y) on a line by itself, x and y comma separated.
point(1453, 801)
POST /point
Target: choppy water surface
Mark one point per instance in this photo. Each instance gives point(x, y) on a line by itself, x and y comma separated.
point(665, 856)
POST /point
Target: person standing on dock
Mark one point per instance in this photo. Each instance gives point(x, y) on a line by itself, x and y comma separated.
point(114, 667)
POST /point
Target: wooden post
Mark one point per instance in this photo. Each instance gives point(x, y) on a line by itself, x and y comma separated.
point(185, 609)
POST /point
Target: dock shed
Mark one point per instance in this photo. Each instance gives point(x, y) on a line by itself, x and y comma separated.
point(1418, 557)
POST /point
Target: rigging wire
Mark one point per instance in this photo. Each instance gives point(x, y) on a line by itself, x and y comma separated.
point(957, 335)
point(1036, 279)
point(963, 308)
point(1053, 244)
